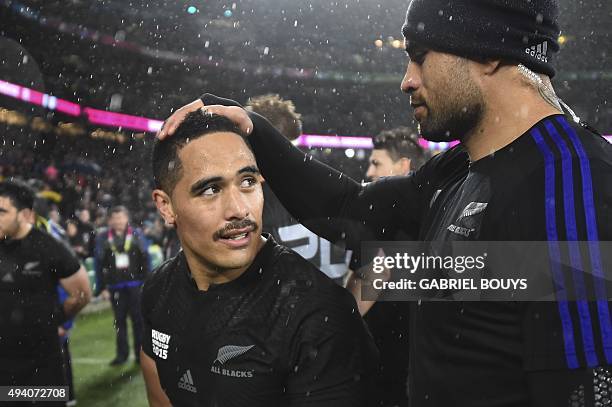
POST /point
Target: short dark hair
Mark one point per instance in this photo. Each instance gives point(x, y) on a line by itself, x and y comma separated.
point(280, 112)
point(20, 194)
point(119, 209)
point(401, 142)
point(167, 166)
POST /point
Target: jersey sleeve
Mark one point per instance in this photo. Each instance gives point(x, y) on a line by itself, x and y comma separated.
point(146, 308)
point(63, 261)
point(570, 199)
point(333, 357)
point(328, 202)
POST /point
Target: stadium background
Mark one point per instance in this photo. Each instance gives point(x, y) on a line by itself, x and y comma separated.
point(85, 83)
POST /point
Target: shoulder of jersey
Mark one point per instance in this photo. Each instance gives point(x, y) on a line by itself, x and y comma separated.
point(39, 232)
point(595, 146)
point(42, 235)
point(567, 139)
point(453, 159)
point(161, 275)
point(290, 265)
point(455, 153)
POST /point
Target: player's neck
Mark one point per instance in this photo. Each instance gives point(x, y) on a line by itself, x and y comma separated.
point(508, 115)
point(205, 274)
point(23, 231)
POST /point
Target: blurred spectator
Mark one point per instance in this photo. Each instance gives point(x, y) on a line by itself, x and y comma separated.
point(154, 230)
point(51, 173)
point(76, 239)
point(122, 262)
point(101, 219)
point(87, 231)
point(396, 152)
point(54, 215)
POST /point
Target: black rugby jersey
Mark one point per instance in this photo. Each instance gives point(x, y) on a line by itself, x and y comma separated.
point(281, 334)
point(30, 269)
point(553, 183)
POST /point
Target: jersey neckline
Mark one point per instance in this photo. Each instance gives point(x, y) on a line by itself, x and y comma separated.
point(245, 279)
point(488, 160)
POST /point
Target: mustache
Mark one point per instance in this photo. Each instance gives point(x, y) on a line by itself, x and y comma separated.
point(415, 100)
point(239, 224)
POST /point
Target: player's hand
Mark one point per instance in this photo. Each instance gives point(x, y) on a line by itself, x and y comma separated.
point(105, 295)
point(61, 332)
point(172, 122)
point(236, 114)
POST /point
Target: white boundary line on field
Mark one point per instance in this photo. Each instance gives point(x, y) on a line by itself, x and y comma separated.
point(89, 361)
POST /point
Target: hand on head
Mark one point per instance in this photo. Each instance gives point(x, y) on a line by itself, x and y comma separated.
point(236, 114)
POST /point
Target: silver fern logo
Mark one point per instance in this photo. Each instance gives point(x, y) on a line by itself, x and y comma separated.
point(465, 224)
point(229, 352)
point(472, 209)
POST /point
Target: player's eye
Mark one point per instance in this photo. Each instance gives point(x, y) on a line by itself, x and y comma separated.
point(248, 182)
point(210, 191)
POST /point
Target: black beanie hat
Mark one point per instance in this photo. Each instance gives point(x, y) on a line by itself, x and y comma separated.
point(524, 31)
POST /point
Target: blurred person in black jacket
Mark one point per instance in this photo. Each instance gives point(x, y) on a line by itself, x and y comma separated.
point(122, 262)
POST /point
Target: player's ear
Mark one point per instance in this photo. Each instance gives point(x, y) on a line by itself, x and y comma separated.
point(405, 165)
point(27, 215)
point(489, 66)
point(164, 206)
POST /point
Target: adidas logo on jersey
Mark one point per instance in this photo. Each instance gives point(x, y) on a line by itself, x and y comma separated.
point(538, 51)
point(8, 278)
point(186, 382)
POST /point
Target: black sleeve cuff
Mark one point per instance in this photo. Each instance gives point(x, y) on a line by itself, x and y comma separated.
point(210, 99)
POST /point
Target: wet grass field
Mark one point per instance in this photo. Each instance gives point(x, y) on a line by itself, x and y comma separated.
point(97, 384)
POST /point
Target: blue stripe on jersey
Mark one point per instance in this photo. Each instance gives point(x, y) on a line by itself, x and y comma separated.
point(574, 252)
point(553, 247)
point(592, 236)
